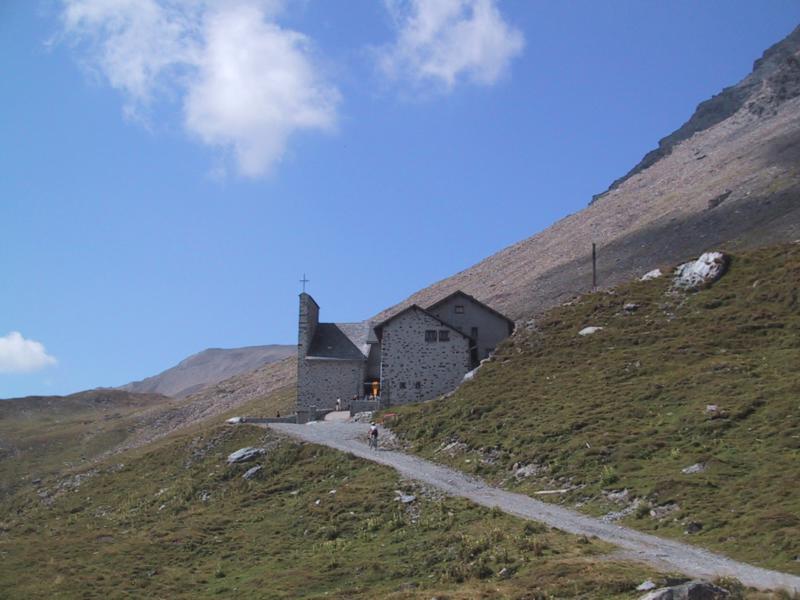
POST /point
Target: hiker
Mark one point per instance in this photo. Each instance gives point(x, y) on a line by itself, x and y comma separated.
point(373, 436)
point(338, 404)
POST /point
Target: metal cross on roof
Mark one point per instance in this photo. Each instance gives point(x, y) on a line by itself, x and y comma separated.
point(304, 281)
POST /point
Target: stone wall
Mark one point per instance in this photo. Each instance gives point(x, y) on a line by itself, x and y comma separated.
point(413, 369)
point(307, 325)
point(321, 381)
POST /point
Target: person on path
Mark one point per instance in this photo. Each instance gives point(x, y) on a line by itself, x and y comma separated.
point(338, 404)
point(373, 436)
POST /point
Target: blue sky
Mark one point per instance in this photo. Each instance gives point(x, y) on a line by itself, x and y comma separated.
point(170, 169)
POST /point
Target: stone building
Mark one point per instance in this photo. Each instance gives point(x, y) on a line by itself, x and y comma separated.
point(414, 355)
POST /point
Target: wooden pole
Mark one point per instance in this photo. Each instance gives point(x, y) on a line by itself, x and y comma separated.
point(594, 266)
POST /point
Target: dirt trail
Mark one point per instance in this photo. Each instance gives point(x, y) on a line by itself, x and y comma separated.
point(663, 554)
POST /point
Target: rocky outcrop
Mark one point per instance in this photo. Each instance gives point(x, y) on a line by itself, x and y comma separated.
point(702, 272)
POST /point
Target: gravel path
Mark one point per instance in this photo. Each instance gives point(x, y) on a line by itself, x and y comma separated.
point(660, 553)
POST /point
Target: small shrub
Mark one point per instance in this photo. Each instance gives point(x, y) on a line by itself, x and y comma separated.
point(643, 510)
point(531, 528)
point(608, 475)
point(733, 585)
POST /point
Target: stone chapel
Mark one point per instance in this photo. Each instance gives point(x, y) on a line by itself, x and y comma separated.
point(414, 355)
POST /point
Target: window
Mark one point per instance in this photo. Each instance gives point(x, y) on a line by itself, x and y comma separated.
point(444, 335)
point(430, 335)
point(402, 385)
point(459, 309)
point(474, 333)
point(418, 385)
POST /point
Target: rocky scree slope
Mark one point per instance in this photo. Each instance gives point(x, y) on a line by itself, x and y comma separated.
point(209, 367)
point(730, 174)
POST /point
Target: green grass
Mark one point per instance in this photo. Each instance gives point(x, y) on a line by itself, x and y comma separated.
point(56, 435)
point(48, 435)
point(175, 521)
point(625, 408)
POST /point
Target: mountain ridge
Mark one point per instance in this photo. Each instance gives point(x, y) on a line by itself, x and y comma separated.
point(769, 72)
point(733, 179)
point(209, 367)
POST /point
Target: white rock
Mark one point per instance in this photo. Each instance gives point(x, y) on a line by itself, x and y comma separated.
point(589, 330)
point(654, 274)
point(234, 420)
point(709, 267)
point(523, 471)
point(404, 498)
point(646, 586)
point(251, 472)
point(695, 468)
point(245, 455)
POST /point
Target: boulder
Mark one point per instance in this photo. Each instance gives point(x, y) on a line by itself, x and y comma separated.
point(645, 586)
point(589, 330)
point(659, 512)
point(630, 307)
point(695, 468)
point(245, 455)
point(404, 498)
point(654, 274)
point(252, 472)
point(693, 527)
point(692, 590)
point(702, 272)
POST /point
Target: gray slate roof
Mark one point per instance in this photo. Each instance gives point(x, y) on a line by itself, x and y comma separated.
point(343, 341)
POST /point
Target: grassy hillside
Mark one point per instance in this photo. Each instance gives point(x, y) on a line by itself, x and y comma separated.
point(175, 521)
point(627, 409)
point(47, 436)
point(42, 435)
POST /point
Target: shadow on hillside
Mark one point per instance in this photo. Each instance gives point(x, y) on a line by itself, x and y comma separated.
point(734, 224)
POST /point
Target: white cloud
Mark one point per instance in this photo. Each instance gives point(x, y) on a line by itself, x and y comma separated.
point(255, 87)
point(445, 42)
point(18, 355)
point(245, 84)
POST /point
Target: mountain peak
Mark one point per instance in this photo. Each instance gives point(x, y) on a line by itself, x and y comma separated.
point(774, 80)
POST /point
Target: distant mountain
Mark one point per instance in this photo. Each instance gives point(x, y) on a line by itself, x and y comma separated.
point(729, 176)
point(99, 399)
point(259, 393)
point(209, 367)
